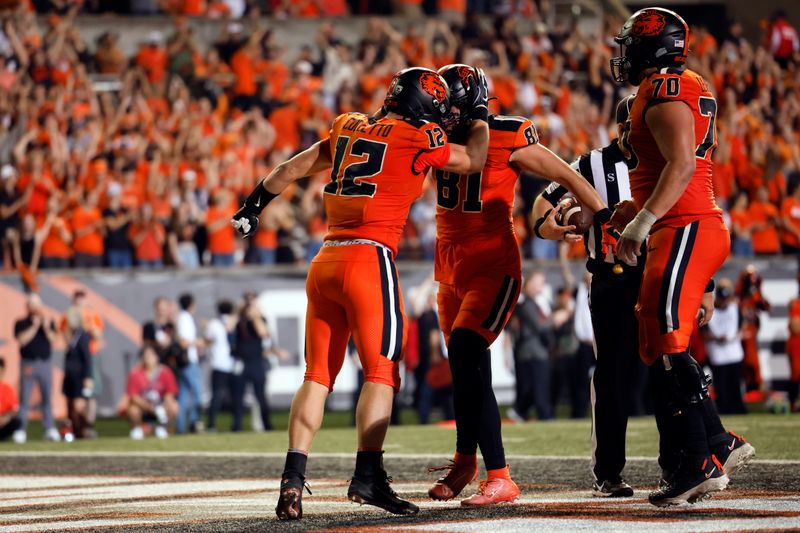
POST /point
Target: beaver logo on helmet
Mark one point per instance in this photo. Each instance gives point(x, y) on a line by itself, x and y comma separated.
point(465, 73)
point(419, 94)
point(649, 23)
point(432, 84)
point(652, 38)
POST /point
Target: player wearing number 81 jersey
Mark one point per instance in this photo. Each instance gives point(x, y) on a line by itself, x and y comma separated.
point(478, 267)
point(377, 169)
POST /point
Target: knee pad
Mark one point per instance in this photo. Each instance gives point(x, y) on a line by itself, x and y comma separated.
point(686, 378)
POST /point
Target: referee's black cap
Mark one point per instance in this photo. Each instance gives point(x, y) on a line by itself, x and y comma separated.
point(624, 108)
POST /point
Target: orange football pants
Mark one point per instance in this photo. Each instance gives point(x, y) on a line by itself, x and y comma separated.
point(479, 284)
point(680, 263)
point(354, 289)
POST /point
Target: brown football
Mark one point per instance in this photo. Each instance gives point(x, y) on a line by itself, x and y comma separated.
point(573, 214)
point(9, 4)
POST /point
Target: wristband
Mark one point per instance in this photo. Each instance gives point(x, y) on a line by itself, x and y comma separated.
point(638, 228)
point(711, 286)
point(539, 222)
point(602, 216)
point(259, 198)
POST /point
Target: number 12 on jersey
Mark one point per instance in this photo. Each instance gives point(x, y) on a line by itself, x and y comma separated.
point(364, 160)
point(449, 193)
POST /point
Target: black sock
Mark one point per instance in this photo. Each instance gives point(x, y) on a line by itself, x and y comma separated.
point(490, 438)
point(714, 428)
point(465, 350)
point(695, 443)
point(668, 419)
point(369, 463)
point(295, 466)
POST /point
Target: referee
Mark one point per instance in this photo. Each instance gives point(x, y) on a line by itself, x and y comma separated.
point(618, 379)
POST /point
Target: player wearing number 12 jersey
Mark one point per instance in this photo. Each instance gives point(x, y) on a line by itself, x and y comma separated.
point(670, 135)
point(478, 268)
point(378, 166)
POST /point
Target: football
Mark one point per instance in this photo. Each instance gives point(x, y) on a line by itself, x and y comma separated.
point(573, 214)
point(9, 4)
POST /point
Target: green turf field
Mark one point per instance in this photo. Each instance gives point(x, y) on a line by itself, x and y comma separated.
point(774, 436)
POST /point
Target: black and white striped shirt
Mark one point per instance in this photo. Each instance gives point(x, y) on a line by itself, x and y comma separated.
point(606, 171)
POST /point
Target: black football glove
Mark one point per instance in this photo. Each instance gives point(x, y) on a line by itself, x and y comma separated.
point(245, 221)
point(479, 106)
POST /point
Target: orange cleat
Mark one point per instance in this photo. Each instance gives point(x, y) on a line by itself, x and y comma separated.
point(493, 491)
point(461, 474)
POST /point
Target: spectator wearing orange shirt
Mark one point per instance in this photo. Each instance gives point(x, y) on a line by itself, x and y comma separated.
point(152, 57)
point(221, 235)
point(790, 214)
point(765, 218)
point(741, 227)
point(9, 406)
point(751, 304)
point(88, 228)
point(243, 67)
point(56, 237)
point(109, 58)
point(147, 236)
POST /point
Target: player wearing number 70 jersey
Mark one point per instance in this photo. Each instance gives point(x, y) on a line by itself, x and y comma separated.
point(479, 270)
point(670, 136)
point(378, 167)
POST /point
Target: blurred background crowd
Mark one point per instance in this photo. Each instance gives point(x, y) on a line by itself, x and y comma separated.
point(115, 159)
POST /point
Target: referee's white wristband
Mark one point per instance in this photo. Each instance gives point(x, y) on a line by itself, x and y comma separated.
point(638, 228)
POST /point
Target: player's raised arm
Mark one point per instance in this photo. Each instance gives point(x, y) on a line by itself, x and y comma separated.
point(315, 158)
point(672, 127)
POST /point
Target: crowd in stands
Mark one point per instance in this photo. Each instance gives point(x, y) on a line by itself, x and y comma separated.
point(109, 160)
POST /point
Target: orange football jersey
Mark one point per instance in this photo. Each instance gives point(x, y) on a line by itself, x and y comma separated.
point(646, 163)
point(479, 205)
point(379, 166)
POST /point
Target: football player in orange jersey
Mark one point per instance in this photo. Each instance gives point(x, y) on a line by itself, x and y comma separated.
point(479, 271)
point(670, 136)
point(378, 167)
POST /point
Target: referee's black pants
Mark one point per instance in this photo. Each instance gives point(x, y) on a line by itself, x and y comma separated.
point(619, 371)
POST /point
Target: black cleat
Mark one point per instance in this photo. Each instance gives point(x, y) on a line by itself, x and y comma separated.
point(692, 484)
point(612, 489)
point(290, 501)
point(734, 454)
point(375, 490)
point(666, 479)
